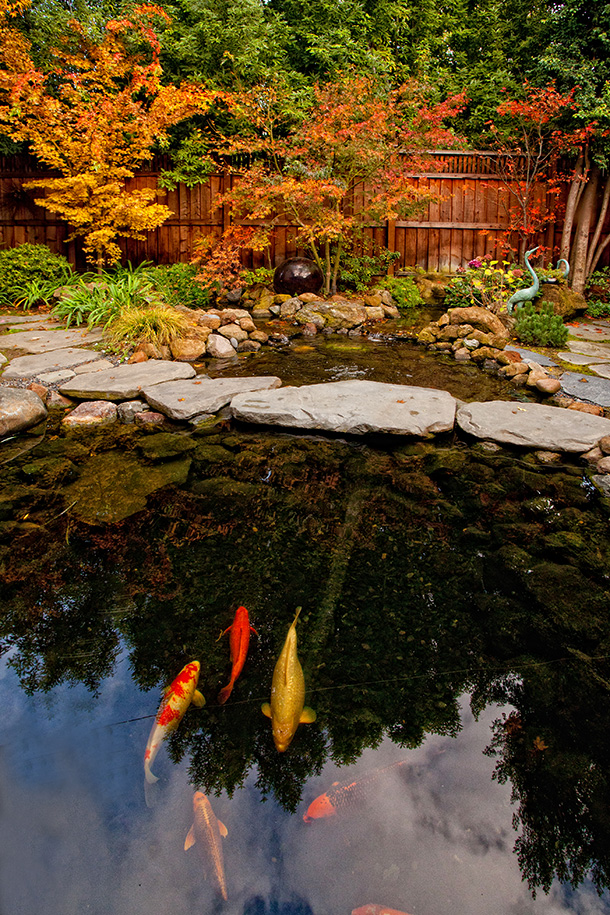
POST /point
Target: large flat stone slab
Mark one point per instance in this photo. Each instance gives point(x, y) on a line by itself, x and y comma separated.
point(182, 400)
point(528, 355)
point(600, 350)
point(532, 425)
point(590, 329)
point(355, 407)
point(40, 341)
point(125, 382)
point(586, 387)
point(19, 410)
point(53, 361)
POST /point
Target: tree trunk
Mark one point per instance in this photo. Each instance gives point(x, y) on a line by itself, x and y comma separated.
point(576, 188)
point(596, 248)
point(580, 246)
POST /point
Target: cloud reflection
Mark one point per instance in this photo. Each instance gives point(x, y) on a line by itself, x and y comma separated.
point(433, 837)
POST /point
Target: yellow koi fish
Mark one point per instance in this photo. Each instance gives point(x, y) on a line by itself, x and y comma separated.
point(205, 833)
point(287, 693)
point(177, 698)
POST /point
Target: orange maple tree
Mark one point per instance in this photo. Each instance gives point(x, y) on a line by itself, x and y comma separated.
point(93, 116)
point(530, 134)
point(358, 138)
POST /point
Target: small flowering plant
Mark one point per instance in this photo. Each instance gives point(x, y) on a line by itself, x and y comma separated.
point(485, 282)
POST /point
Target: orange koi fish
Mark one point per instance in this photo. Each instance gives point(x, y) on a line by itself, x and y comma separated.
point(239, 641)
point(205, 833)
point(345, 795)
point(286, 709)
point(176, 699)
point(373, 908)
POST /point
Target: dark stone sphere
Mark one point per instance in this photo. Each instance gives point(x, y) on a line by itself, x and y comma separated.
point(297, 275)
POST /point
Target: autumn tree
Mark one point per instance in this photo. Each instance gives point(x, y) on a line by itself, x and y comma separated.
point(93, 115)
point(529, 134)
point(358, 137)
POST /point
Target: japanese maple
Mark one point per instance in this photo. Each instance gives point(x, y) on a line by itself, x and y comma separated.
point(93, 116)
point(529, 136)
point(358, 137)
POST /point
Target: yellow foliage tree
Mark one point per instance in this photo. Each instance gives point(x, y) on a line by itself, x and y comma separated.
point(94, 116)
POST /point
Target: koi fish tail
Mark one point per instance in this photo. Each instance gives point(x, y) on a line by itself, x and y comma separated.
point(224, 693)
point(148, 775)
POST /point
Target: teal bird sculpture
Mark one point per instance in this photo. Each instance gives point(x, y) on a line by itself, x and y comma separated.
point(566, 268)
point(525, 295)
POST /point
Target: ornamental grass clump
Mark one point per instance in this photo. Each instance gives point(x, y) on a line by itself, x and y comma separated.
point(484, 282)
point(159, 324)
point(543, 328)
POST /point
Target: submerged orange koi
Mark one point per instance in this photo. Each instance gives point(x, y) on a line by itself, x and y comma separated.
point(342, 795)
point(373, 908)
point(205, 833)
point(176, 699)
point(286, 708)
point(239, 641)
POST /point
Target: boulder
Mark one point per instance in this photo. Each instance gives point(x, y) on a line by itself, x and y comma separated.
point(91, 413)
point(480, 318)
point(564, 300)
point(219, 347)
point(19, 410)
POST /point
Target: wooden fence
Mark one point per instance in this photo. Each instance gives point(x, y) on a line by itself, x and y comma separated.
point(469, 212)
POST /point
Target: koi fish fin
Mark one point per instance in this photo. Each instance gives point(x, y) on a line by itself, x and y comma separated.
point(150, 794)
point(222, 829)
point(198, 699)
point(296, 616)
point(266, 709)
point(307, 716)
point(190, 838)
point(224, 632)
point(224, 694)
point(252, 629)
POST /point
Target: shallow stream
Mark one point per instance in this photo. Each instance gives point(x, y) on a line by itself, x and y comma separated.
point(455, 639)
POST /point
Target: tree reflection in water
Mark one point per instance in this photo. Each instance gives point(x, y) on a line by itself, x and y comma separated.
point(423, 571)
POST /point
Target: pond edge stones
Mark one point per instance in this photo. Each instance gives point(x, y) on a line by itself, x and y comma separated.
point(355, 407)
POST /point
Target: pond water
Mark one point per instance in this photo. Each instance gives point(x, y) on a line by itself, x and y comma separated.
point(455, 640)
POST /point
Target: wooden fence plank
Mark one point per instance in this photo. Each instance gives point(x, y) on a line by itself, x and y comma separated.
point(468, 199)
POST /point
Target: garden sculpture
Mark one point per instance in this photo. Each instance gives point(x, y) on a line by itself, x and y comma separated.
point(566, 269)
point(525, 295)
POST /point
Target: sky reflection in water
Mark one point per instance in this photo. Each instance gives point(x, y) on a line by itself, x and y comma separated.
point(432, 837)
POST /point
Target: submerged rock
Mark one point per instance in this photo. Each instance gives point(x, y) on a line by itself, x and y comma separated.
point(112, 486)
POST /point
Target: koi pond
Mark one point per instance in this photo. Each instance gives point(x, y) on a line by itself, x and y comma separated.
point(454, 637)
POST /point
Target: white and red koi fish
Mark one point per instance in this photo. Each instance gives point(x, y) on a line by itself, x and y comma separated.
point(176, 699)
point(239, 641)
point(286, 708)
point(345, 795)
point(205, 833)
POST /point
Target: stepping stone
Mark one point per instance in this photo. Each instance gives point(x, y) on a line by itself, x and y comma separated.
point(125, 382)
point(528, 356)
point(589, 330)
point(55, 360)
point(10, 320)
point(586, 387)
point(56, 377)
point(601, 350)
point(602, 369)
point(355, 407)
point(40, 341)
point(182, 400)
point(578, 358)
point(532, 425)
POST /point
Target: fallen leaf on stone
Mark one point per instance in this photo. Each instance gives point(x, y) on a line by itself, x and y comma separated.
point(400, 401)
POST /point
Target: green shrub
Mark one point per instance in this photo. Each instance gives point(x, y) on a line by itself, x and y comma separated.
point(177, 285)
point(359, 271)
point(404, 292)
point(597, 293)
point(30, 273)
point(485, 282)
point(263, 275)
point(543, 328)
